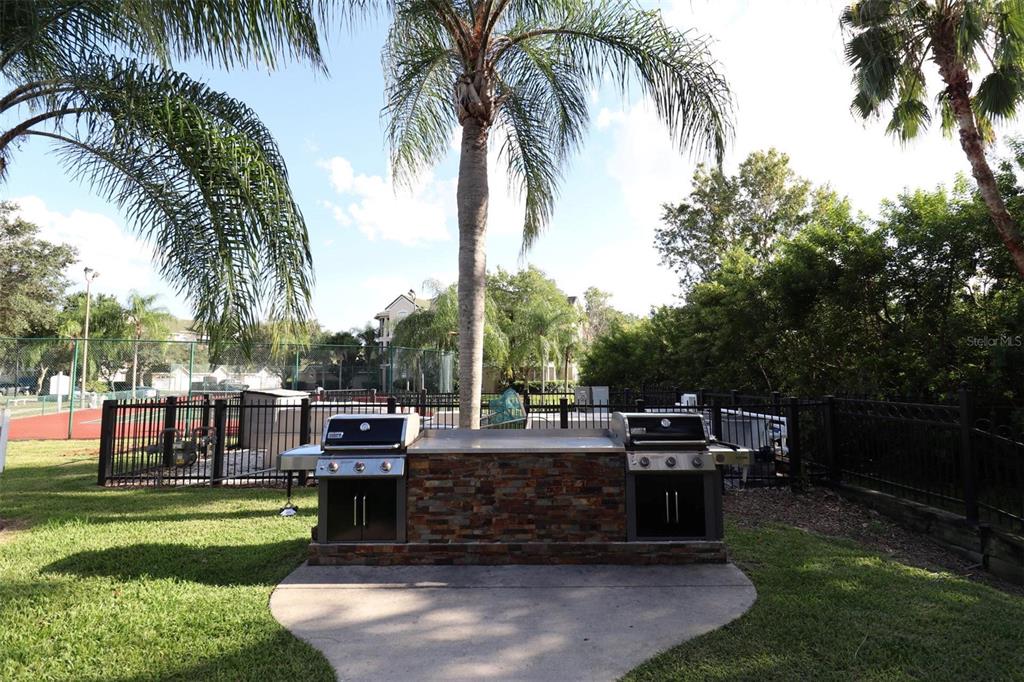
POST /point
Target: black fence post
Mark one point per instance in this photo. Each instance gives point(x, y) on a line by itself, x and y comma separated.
point(835, 467)
point(220, 423)
point(734, 397)
point(701, 392)
point(640, 405)
point(627, 398)
point(796, 464)
point(777, 402)
point(526, 404)
point(716, 419)
point(563, 413)
point(107, 422)
point(170, 423)
point(392, 405)
point(421, 402)
point(967, 456)
point(305, 417)
point(241, 419)
point(206, 410)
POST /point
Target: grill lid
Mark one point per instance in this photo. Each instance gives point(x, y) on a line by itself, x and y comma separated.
point(370, 431)
point(663, 430)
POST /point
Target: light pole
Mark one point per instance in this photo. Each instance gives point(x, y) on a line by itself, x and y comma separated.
point(90, 275)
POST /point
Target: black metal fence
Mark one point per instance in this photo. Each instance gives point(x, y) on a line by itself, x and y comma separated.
point(940, 455)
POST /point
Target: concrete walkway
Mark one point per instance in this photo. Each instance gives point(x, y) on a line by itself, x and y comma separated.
point(504, 622)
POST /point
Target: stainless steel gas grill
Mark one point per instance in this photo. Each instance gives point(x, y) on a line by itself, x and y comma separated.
point(361, 477)
point(673, 490)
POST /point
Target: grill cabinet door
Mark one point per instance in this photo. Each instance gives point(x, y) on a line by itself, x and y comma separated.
point(344, 516)
point(655, 515)
point(691, 520)
point(381, 509)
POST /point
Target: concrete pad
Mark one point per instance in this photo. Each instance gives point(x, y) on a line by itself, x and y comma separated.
point(504, 622)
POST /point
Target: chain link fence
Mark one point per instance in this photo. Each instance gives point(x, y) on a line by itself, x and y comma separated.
point(49, 376)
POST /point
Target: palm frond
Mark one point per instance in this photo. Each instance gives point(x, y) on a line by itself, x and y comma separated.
point(201, 179)
point(41, 38)
point(418, 113)
point(530, 152)
point(1000, 92)
point(672, 68)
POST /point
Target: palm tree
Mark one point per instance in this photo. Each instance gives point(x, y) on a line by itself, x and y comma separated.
point(526, 69)
point(144, 317)
point(889, 42)
point(196, 172)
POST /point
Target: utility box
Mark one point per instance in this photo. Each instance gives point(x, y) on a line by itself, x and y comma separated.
point(60, 384)
point(593, 398)
point(271, 421)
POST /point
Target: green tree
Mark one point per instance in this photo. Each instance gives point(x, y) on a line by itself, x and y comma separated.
point(889, 41)
point(599, 314)
point(196, 172)
point(32, 281)
point(145, 319)
point(763, 202)
point(106, 321)
point(437, 326)
point(526, 67)
point(538, 322)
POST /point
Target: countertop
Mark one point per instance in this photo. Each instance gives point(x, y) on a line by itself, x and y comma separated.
point(515, 441)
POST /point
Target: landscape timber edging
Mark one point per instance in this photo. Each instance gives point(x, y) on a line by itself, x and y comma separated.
point(999, 552)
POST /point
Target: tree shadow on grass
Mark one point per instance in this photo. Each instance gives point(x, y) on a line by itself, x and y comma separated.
point(217, 565)
point(279, 656)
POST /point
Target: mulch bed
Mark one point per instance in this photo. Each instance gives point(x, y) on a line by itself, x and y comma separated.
point(824, 512)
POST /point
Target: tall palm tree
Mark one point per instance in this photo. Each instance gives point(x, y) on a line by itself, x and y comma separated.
point(526, 68)
point(196, 172)
point(889, 42)
point(144, 317)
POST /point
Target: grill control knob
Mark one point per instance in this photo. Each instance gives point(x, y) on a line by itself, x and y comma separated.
point(670, 462)
point(645, 462)
point(698, 463)
point(385, 466)
point(360, 467)
point(332, 467)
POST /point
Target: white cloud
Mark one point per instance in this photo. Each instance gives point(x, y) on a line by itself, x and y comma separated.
point(379, 210)
point(123, 261)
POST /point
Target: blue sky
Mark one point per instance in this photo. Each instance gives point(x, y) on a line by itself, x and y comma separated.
point(784, 62)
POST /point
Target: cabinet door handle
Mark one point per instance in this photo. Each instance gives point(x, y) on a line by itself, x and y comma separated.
point(677, 506)
point(364, 511)
point(667, 519)
point(355, 510)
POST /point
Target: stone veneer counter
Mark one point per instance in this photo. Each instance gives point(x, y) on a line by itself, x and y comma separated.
point(516, 496)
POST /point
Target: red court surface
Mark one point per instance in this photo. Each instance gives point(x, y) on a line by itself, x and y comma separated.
point(55, 426)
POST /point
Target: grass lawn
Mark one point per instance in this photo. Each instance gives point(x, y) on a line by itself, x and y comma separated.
point(165, 584)
point(142, 584)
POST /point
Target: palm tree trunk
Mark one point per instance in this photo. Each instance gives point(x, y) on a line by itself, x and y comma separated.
point(472, 205)
point(958, 87)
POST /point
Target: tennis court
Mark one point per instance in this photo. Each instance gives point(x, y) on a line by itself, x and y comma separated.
point(86, 425)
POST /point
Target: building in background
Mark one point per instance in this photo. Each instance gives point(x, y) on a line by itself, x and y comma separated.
point(396, 311)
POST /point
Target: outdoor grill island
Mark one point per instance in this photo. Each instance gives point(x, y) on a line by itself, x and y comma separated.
point(645, 491)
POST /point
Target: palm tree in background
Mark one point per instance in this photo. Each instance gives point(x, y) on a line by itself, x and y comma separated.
point(889, 42)
point(195, 171)
point(526, 68)
point(438, 326)
point(144, 317)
